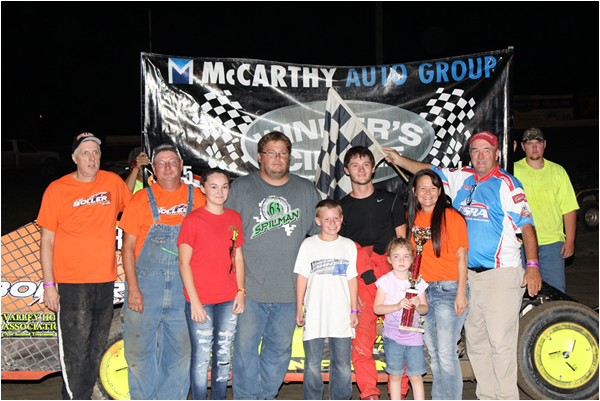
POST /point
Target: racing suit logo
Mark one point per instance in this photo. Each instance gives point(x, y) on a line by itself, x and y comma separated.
point(525, 212)
point(475, 211)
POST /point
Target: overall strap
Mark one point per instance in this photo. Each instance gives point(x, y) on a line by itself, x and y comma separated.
point(153, 205)
point(190, 204)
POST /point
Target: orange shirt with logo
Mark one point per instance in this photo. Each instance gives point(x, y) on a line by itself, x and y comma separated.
point(137, 218)
point(83, 217)
point(453, 237)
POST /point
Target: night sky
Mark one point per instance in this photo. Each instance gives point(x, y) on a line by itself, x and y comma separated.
point(78, 64)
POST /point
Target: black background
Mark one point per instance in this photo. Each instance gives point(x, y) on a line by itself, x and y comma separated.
point(73, 67)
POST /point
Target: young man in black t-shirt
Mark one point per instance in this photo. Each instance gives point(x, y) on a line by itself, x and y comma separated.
point(372, 218)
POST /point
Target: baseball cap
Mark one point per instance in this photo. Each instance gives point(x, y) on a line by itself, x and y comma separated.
point(83, 137)
point(162, 148)
point(533, 133)
point(486, 136)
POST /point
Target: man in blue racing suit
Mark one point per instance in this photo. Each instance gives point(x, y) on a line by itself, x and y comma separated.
point(495, 207)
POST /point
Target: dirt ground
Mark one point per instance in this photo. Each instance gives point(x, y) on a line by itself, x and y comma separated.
point(21, 197)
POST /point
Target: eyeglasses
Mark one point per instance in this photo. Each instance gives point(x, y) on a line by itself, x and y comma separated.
point(172, 163)
point(470, 197)
point(271, 154)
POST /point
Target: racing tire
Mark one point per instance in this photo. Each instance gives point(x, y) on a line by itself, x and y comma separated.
point(558, 352)
point(112, 383)
point(589, 215)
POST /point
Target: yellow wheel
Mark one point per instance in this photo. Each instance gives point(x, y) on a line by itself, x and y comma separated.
point(566, 355)
point(558, 351)
point(113, 371)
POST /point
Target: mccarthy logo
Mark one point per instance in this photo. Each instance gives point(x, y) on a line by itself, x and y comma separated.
point(181, 71)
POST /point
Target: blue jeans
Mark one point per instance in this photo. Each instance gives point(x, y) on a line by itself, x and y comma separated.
point(398, 356)
point(258, 376)
point(552, 265)
point(220, 325)
point(442, 333)
point(157, 343)
point(340, 371)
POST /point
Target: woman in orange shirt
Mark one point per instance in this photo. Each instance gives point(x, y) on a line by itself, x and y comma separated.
point(444, 268)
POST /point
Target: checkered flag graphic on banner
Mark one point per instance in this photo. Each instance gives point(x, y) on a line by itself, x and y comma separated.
point(448, 113)
point(221, 119)
point(342, 131)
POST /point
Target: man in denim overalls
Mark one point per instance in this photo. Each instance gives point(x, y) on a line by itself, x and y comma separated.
point(155, 333)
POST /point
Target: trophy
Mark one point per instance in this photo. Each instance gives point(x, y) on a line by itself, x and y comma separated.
point(421, 236)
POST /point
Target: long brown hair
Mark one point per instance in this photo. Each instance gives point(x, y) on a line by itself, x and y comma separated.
point(438, 217)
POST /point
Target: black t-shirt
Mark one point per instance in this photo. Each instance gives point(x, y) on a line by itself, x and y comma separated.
point(372, 220)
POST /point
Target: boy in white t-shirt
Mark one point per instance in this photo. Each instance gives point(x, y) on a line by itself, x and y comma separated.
point(328, 288)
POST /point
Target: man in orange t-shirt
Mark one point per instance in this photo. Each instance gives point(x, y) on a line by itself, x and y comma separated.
point(78, 220)
point(154, 298)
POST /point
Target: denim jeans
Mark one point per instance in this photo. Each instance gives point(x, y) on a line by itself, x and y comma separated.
point(442, 333)
point(220, 325)
point(400, 359)
point(157, 343)
point(258, 376)
point(552, 265)
point(340, 371)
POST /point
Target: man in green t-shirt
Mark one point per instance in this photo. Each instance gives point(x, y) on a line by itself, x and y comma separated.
point(553, 203)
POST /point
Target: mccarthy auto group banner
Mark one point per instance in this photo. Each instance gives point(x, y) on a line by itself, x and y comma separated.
point(216, 109)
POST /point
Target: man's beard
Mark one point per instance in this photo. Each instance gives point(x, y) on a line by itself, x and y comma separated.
point(535, 158)
point(276, 175)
